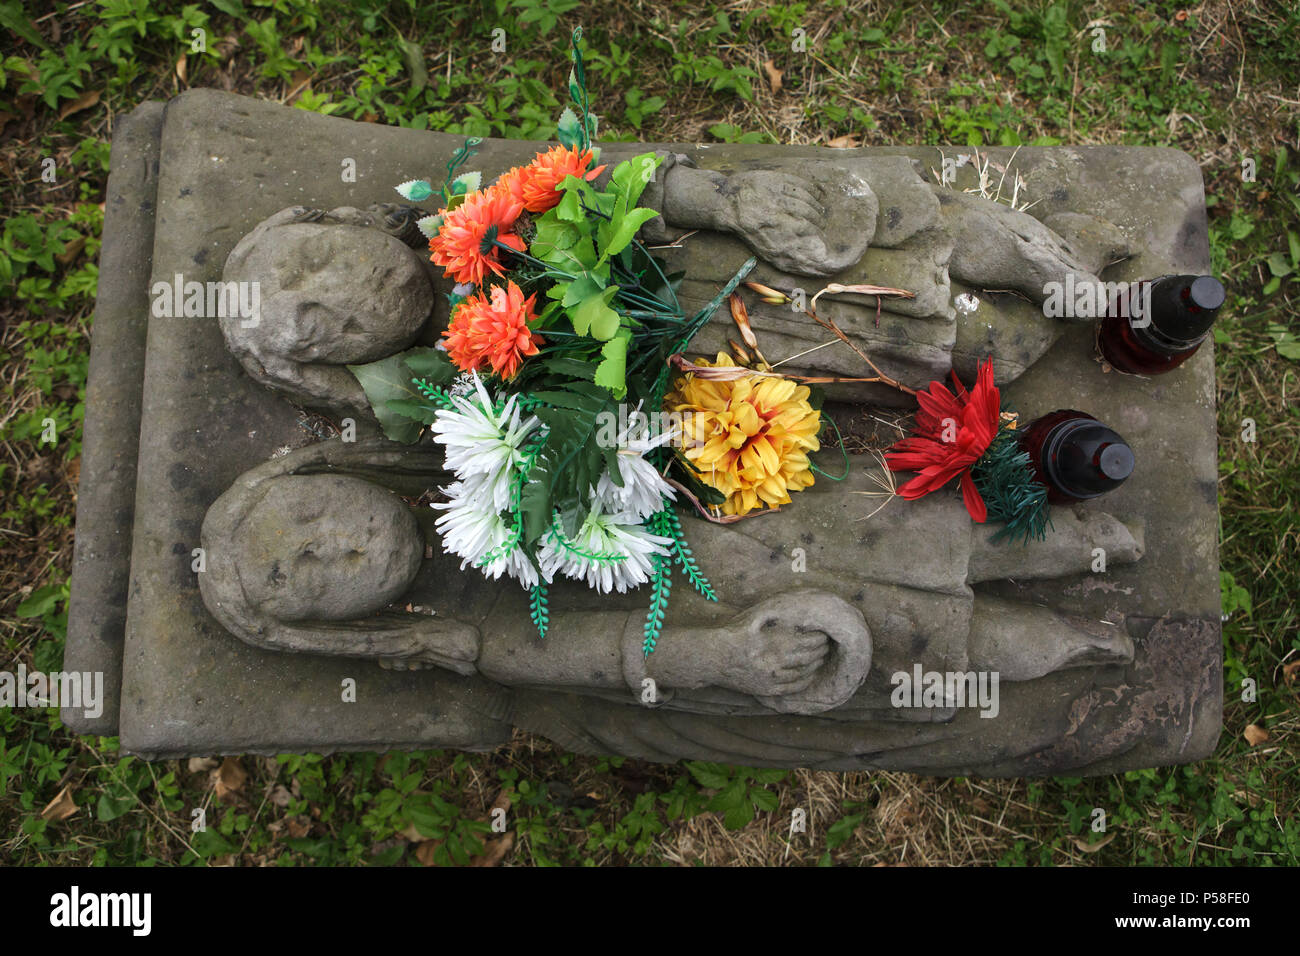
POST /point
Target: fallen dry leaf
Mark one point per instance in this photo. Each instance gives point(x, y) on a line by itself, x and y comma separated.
point(61, 807)
point(71, 251)
point(182, 70)
point(773, 76)
point(202, 764)
point(424, 851)
point(1087, 847)
point(1255, 735)
point(280, 795)
point(847, 141)
point(297, 827)
point(301, 80)
point(494, 852)
point(226, 46)
point(230, 777)
point(1289, 672)
point(83, 102)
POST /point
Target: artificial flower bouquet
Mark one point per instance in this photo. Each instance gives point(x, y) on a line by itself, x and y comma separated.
point(572, 422)
point(553, 391)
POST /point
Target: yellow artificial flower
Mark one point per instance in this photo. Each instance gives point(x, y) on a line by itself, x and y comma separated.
point(747, 437)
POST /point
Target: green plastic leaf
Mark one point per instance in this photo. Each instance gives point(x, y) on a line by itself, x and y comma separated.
point(571, 399)
point(569, 368)
point(594, 317)
point(552, 234)
point(630, 177)
point(467, 183)
point(415, 190)
point(422, 412)
point(388, 379)
point(430, 225)
point(568, 129)
point(582, 288)
point(570, 207)
point(612, 371)
point(625, 230)
point(432, 365)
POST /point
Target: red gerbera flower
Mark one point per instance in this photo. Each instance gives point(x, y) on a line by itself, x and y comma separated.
point(464, 245)
point(535, 185)
point(494, 331)
point(952, 432)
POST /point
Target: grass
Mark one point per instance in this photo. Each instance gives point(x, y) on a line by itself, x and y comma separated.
point(1217, 80)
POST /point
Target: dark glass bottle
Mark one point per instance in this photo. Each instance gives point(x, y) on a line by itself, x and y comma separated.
point(1182, 307)
point(1075, 456)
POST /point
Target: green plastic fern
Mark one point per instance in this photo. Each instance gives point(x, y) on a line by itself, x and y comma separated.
point(538, 609)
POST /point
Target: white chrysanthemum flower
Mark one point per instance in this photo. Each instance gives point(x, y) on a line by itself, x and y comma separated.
point(462, 385)
point(643, 488)
point(482, 441)
point(472, 528)
point(611, 552)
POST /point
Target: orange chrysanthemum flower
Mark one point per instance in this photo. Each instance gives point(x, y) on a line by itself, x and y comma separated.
point(748, 437)
point(493, 331)
point(464, 245)
point(535, 185)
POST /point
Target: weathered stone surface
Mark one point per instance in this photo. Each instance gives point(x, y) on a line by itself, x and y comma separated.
point(110, 442)
point(191, 687)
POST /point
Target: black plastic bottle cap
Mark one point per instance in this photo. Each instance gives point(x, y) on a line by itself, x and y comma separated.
point(1207, 293)
point(1183, 307)
point(1116, 462)
point(1085, 458)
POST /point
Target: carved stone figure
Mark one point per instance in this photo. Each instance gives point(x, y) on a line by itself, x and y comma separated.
point(866, 220)
point(308, 553)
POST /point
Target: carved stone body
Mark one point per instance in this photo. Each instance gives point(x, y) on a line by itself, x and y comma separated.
point(307, 553)
point(862, 221)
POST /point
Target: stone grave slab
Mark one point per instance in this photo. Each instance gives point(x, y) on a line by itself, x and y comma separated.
point(176, 404)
